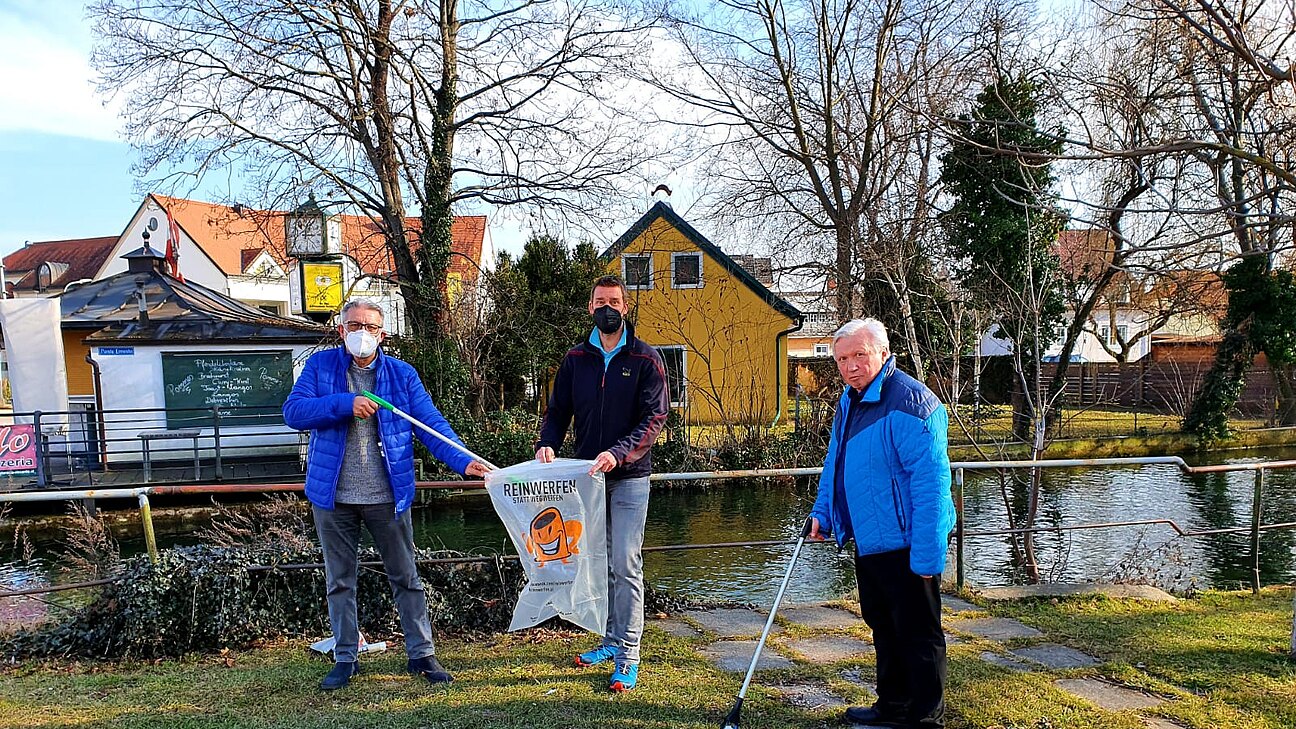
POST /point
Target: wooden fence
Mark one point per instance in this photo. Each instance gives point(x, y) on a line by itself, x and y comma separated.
point(1165, 386)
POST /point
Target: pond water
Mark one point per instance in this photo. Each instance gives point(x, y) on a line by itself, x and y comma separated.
point(770, 510)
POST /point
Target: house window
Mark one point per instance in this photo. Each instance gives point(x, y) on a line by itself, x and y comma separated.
point(44, 277)
point(270, 309)
point(676, 373)
point(821, 350)
point(636, 271)
point(686, 270)
point(1121, 334)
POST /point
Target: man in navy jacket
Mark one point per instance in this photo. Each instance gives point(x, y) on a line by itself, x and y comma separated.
point(360, 470)
point(614, 386)
point(886, 485)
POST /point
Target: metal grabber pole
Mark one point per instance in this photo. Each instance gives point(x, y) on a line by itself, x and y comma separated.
point(436, 434)
point(731, 720)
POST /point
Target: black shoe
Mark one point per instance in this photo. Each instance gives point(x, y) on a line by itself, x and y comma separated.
point(871, 715)
point(430, 668)
point(340, 676)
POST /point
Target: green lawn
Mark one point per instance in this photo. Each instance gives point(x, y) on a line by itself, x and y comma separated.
point(996, 425)
point(1220, 659)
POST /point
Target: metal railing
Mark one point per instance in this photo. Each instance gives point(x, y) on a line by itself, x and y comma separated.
point(83, 442)
point(961, 534)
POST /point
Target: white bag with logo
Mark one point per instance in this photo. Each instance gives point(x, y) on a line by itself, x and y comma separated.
point(557, 517)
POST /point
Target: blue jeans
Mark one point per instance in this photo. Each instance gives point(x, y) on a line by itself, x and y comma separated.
point(393, 535)
point(627, 511)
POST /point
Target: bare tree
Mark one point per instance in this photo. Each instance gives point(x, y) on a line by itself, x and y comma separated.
point(1222, 119)
point(384, 106)
point(820, 114)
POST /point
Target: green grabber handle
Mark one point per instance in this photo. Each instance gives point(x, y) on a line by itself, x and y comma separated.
point(388, 406)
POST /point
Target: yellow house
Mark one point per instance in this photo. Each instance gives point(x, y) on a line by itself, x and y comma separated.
point(721, 332)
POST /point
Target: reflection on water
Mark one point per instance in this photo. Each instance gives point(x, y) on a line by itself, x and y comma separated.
point(755, 511)
point(751, 511)
point(1093, 495)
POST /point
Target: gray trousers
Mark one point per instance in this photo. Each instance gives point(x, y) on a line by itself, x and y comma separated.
point(339, 535)
point(627, 512)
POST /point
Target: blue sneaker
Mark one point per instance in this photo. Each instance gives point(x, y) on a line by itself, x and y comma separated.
point(596, 656)
point(624, 677)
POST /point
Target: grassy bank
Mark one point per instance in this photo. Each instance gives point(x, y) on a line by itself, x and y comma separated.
point(1165, 444)
point(1220, 659)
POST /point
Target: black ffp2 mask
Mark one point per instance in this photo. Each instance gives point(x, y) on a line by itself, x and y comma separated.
point(607, 319)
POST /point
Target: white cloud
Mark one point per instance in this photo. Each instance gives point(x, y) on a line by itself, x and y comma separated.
point(44, 59)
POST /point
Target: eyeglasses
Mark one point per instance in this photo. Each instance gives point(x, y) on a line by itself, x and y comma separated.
point(355, 326)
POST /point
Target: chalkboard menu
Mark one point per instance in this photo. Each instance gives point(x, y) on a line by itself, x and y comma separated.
point(249, 387)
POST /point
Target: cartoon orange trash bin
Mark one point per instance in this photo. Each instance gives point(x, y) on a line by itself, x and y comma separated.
point(551, 538)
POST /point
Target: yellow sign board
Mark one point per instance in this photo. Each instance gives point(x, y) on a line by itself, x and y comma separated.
point(321, 287)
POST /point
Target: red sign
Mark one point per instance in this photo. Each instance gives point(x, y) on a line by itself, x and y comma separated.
point(17, 450)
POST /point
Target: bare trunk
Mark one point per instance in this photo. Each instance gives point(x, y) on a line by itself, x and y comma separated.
point(1285, 378)
point(911, 331)
point(956, 368)
point(1032, 503)
point(844, 275)
point(1014, 539)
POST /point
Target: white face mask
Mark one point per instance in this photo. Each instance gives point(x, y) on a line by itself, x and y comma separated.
point(361, 344)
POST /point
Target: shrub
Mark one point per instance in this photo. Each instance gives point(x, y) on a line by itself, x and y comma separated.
point(204, 598)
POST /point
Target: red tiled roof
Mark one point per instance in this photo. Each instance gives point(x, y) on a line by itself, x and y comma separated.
point(1084, 253)
point(226, 234)
point(82, 256)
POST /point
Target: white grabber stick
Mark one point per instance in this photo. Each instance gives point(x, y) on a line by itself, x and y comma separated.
point(436, 434)
point(732, 719)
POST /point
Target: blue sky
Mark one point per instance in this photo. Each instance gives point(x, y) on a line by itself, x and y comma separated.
point(64, 170)
point(64, 173)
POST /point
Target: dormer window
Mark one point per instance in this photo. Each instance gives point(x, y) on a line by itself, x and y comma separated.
point(636, 271)
point(686, 270)
point(49, 273)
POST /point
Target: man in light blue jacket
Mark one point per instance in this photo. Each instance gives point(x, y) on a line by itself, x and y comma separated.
point(360, 470)
point(886, 485)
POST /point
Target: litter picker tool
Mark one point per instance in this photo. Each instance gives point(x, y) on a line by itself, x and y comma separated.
point(731, 720)
point(434, 433)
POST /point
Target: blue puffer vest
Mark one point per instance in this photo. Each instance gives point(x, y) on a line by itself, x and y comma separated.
point(897, 472)
point(321, 402)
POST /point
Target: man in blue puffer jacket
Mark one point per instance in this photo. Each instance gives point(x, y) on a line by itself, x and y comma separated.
point(886, 485)
point(360, 470)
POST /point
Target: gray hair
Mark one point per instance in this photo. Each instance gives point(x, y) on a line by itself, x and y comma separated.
point(876, 331)
point(369, 304)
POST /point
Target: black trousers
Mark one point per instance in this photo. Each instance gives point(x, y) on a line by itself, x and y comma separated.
point(904, 612)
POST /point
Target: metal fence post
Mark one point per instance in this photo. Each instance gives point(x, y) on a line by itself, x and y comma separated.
point(41, 479)
point(959, 575)
point(216, 418)
point(146, 516)
point(1257, 506)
